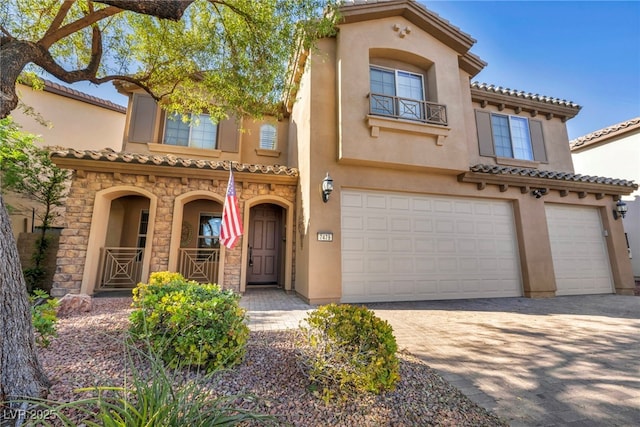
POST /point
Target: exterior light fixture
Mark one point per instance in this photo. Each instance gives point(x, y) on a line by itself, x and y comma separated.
point(539, 192)
point(327, 187)
point(620, 211)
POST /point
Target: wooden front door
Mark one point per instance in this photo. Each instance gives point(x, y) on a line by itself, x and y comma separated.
point(264, 248)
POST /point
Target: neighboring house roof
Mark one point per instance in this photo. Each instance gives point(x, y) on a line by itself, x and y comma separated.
point(68, 92)
point(138, 159)
point(519, 100)
point(606, 134)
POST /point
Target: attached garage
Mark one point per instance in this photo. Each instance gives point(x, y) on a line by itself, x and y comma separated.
point(579, 250)
point(401, 247)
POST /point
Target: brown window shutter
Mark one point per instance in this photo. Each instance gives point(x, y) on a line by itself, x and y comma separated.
point(143, 118)
point(485, 136)
point(228, 135)
point(537, 141)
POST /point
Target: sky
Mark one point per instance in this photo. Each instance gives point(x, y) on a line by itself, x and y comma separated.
point(587, 52)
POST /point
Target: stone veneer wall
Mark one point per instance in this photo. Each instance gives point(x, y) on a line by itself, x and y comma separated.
point(80, 202)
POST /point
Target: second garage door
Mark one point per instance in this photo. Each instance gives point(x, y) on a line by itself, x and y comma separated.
point(399, 247)
point(579, 250)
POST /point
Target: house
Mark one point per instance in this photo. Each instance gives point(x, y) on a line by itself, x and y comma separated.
point(441, 188)
point(615, 151)
point(72, 119)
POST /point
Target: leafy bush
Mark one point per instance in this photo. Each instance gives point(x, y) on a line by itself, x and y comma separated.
point(189, 323)
point(347, 350)
point(43, 316)
point(155, 396)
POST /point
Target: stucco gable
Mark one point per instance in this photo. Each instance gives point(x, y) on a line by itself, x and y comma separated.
point(430, 22)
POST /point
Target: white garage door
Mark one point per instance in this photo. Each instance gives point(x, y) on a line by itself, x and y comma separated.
point(398, 247)
point(578, 246)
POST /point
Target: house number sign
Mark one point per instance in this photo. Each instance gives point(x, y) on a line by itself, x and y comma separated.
point(325, 237)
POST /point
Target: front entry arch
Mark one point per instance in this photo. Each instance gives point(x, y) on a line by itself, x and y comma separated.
point(268, 225)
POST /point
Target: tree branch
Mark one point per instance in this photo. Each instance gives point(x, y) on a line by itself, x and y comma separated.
point(78, 25)
point(164, 9)
point(57, 21)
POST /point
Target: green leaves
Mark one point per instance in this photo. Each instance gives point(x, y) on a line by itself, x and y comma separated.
point(347, 350)
point(232, 54)
point(188, 323)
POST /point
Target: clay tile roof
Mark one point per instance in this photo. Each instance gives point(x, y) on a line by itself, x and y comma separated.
point(68, 92)
point(524, 95)
point(171, 160)
point(606, 133)
point(559, 176)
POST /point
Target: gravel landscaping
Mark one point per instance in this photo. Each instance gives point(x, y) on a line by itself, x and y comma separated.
point(89, 351)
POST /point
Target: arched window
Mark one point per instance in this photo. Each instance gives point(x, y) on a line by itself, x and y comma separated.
point(268, 137)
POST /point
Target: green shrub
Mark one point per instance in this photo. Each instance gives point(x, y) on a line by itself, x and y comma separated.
point(43, 317)
point(190, 324)
point(347, 350)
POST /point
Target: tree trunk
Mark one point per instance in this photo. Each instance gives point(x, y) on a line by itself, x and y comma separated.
point(21, 374)
point(14, 56)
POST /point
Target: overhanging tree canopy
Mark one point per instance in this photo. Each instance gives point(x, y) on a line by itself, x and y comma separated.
point(186, 53)
point(233, 53)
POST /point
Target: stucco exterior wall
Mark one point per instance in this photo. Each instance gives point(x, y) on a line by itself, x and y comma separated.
point(74, 124)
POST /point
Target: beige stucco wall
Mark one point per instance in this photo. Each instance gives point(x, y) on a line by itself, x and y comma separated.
point(74, 124)
point(391, 142)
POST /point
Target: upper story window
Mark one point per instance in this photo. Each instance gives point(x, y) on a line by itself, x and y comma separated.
point(511, 137)
point(268, 137)
point(401, 94)
point(200, 132)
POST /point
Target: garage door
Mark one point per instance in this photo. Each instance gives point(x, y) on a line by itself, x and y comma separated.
point(399, 247)
point(579, 250)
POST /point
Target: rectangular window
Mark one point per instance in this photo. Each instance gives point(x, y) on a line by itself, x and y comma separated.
point(209, 230)
point(511, 137)
point(142, 230)
point(396, 93)
point(200, 132)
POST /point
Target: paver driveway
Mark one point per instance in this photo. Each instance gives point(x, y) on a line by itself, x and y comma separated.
point(561, 361)
point(565, 361)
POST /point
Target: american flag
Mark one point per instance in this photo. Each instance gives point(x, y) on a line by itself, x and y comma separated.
point(231, 229)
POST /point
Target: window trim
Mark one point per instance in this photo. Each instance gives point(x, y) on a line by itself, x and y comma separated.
point(274, 142)
point(511, 119)
point(395, 79)
point(200, 118)
point(486, 146)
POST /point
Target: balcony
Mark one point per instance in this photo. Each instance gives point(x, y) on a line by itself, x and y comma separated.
point(407, 109)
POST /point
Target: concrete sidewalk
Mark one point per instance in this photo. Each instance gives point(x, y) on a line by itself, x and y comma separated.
point(565, 361)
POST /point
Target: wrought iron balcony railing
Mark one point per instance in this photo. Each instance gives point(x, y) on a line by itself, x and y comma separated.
point(409, 109)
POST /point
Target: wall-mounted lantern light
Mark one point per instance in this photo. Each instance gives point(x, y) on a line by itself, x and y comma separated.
point(620, 211)
point(327, 187)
